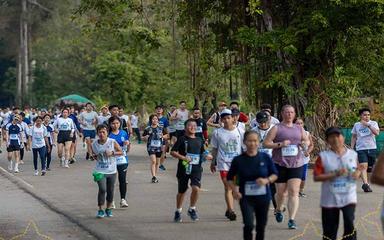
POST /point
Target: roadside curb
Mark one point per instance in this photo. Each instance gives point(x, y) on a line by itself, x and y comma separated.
point(21, 184)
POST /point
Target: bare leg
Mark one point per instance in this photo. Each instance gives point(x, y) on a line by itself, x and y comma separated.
point(228, 195)
point(153, 164)
point(364, 174)
point(293, 197)
point(179, 200)
point(194, 195)
point(281, 192)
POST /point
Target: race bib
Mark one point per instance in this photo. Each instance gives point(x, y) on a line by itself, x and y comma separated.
point(365, 132)
point(156, 143)
point(103, 164)
point(340, 185)
point(121, 160)
point(264, 150)
point(64, 127)
point(195, 158)
point(290, 151)
point(14, 136)
point(199, 129)
point(251, 188)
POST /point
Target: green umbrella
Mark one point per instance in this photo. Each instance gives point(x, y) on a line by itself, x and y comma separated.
point(75, 98)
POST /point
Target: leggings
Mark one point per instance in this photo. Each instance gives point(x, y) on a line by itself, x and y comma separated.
point(273, 192)
point(252, 207)
point(137, 132)
point(49, 155)
point(330, 219)
point(21, 153)
point(41, 152)
point(122, 172)
point(106, 186)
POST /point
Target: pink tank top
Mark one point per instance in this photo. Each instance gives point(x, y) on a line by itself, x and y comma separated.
point(291, 156)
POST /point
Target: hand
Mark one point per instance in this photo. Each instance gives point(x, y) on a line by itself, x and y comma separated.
point(262, 181)
point(286, 143)
point(48, 149)
point(237, 195)
point(187, 159)
point(364, 123)
point(109, 153)
point(209, 157)
point(342, 172)
point(213, 168)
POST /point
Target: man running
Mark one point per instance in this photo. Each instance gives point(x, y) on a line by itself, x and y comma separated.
point(88, 121)
point(135, 125)
point(363, 138)
point(189, 150)
point(243, 118)
point(286, 139)
point(163, 123)
point(181, 115)
point(236, 117)
point(214, 120)
point(13, 131)
point(73, 116)
point(126, 119)
point(201, 128)
point(266, 108)
point(104, 115)
point(114, 111)
point(172, 125)
point(226, 144)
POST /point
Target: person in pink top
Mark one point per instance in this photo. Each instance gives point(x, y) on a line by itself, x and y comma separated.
point(289, 142)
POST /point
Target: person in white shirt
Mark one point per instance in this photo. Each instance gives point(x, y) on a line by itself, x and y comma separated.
point(88, 120)
point(65, 129)
point(104, 115)
point(236, 115)
point(135, 125)
point(180, 115)
point(268, 109)
point(38, 140)
point(226, 144)
point(364, 135)
point(126, 119)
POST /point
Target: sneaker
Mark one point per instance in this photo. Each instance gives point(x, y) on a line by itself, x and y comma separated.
point(16, 170)
point(231, 215)
point(366, 188)
point(21, 162)
point(155, 180)
point(292, 224)
point(113, 206)
point(66, 164)
point(48, 169)
point(62, 162)
point(100, 214)
point(43, 173)
point(177, 217)
point(279, 216)
point(10, 165)
point(72, 160)
point(161, 167)
point(123, 203)
point(36, 173)
point(193, 214)
point(108, 212)
point(302, 194)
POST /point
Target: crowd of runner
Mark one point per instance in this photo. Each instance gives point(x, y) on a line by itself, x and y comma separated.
point(259, 160)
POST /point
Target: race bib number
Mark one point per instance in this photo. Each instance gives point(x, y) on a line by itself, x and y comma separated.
point(14, 136)
point(290, 151)
point(199, 129)
point(156, 143)
point(121, 160)
point(340, 185)
point(64, 127)
point(365, 132)
point(195, 158)
point(103, 164)
point(253, 189)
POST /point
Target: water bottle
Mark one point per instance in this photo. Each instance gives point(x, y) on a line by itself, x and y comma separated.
point(204, 156)
point(188, 169)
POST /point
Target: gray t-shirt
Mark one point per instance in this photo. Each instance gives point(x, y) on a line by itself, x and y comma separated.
point(88, 120)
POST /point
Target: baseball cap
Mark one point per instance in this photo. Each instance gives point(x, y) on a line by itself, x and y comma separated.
point(225, 112)
point(235, 112)
point(262, 117)
point(333, 130)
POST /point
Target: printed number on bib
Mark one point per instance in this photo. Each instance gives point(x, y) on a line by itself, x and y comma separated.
point(251, 188)
point(14, 136)
point(290, 151)
point(340, 185)
point(365, 132)
point(199, 129)
point(156, 143)
point(195, 158)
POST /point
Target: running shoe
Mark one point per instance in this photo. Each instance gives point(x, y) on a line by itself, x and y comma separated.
point(155, 180)
point(66, 164)
point(48, 169)
point(177, 217)
point(161, 167)
point(113, 206)
point(193, 214)
point(16, 170)
point(231, 215)
point(100, 214)
point(302, 194)
point(21, 162)
point(10, 165)
point(43, 173)
point(292, 224)
point(279, 216)
point(36, 173)
point(366, 188)
point(108, 212)
point(123, 203)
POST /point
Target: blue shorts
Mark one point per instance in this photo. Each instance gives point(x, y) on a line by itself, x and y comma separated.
point(89, 134)
point(305, 172)
point(367, 156)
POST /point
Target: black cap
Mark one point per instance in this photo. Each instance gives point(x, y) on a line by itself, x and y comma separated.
point(235, 111)
point(333, 130)
point(262, 117)
point(159, 106)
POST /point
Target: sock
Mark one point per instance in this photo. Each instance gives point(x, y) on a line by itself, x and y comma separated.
point(192, 208)
point(179, 210)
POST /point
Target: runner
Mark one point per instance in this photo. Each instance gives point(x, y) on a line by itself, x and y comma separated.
point(25, 124)
point(243, 118)
point(135, 125)
point(13, 132)
point(104, 151)
point(254, 171)
point(201, 129)
point(226, 144)
point(266, 108)
point(73, 116)
point(114, 111)
point(154, 135)
point(338, 170)
point(122, 138)
point(38, 140)
point(163, 122)
point(236, 116)
point(363, 139)
point(214, 120)
point(126, 119)
point(307, 157)
point(88, 121)
point(172, 125)
point(181, 115)
point(65, 129)
point(286, 140)
point(51, 139)
point(189, 149)
point(104, 115)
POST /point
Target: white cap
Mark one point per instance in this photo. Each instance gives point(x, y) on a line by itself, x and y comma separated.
point(225, 112)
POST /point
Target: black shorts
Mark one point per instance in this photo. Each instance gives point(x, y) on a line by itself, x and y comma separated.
point(286, 174)
point(13, 148)
point(172, 134)
point(183, 178)
point(64, 136)
point(158, 154)
point(179, 133)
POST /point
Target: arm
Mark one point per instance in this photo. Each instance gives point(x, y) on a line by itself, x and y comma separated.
point(117, 150)
point(268, 141)
point(311, 145)
point(353, 141)
point(214, 160)
point(378, 171)
point(233, 171)
point(210, 121)
point(319, 173)
point(374, 129)
point(305, 137)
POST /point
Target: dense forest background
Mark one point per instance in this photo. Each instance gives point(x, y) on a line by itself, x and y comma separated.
point(324, 56)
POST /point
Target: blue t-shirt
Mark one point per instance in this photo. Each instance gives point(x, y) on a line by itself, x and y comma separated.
point(163, 122)
point(120, 139)
point(14, 131)
point(247, 169)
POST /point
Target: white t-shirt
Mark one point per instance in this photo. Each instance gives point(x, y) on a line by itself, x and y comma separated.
point(104, 164)
point(182, 117)
point(38, 134)
point(125, 117)
point(102, 119)
point(262, 135)
point(87, 119)
point(241, 126)
point(64, 124)
point(134, 121)
point(25, 127)
point(274, 121)
point(228, 145)
point(365, 139)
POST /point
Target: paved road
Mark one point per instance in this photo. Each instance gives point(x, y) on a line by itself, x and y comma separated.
point(151, 206)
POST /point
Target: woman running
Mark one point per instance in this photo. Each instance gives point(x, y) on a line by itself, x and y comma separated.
point(105, 151)
point(38, 139)
point(122, 138)
point(65, 128)
point(51, 130)
point(154, 135)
